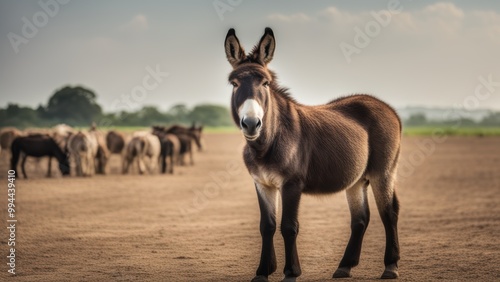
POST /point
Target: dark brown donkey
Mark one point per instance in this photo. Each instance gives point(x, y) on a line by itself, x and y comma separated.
point(37, 145)
point(185, 136)
point(293, 149)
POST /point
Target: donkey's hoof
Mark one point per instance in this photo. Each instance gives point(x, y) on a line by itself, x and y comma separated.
point(342, 272)
point(388, 274)
point(391, 272)
point(260, 278)
point(289, 279)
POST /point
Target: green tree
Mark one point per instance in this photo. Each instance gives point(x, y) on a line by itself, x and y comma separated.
point(151, 115)
point(492, 119)
point(416, 120)
point(211, 115)
point(74, 105)
point(15, 115)
point(180, 112)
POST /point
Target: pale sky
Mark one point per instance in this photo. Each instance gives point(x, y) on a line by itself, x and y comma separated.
point(429, 53)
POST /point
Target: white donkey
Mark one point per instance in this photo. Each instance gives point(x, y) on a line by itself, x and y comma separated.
point(83, 147)
point(145, 148)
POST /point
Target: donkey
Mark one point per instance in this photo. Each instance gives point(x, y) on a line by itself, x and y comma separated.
point(115, 141)
point(193, 132)
point(197, 132)
point(145, 148)
point(292, 149)
point(60, 133)
point(102, 155)
point(170, 147)
point(185, 139)
point(38, 145)
point(83, 149)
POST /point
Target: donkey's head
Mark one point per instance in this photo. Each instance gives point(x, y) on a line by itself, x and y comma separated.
point(251, 82)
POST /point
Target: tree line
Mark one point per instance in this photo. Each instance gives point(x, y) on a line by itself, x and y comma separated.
point(420, 119)
point(77, 106)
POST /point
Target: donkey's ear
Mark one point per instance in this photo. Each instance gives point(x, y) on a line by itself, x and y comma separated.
point(234, 51)
point(267, 45)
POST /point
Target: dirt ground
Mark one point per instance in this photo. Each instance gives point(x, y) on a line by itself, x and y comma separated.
point(201, 224)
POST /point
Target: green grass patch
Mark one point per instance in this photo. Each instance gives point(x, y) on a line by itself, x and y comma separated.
point(451, 131)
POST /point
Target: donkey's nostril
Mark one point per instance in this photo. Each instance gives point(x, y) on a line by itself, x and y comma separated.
point(259, 124)
point(243, 124)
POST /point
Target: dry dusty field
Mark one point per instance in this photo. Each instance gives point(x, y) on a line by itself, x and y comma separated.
point(201, 224)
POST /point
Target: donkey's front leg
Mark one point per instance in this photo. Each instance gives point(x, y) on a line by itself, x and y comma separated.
point(290, 195)
point(267, 204)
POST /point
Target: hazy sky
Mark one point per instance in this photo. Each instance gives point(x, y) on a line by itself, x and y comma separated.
point(429, 53)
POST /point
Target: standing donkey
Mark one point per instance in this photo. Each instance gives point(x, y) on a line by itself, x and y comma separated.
point(292, 149)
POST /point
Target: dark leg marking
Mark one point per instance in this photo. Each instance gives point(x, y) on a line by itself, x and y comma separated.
point(267, 205)
point(291, 193)
point(360, 217)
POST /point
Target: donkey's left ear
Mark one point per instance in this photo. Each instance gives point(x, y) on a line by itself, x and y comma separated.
point(267, 45)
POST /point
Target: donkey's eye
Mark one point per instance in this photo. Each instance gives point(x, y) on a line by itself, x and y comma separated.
point(265, 84)
point(234, 84)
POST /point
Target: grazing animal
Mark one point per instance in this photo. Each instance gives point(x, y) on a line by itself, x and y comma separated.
point(185, 139)
point(293, 149)
point(115, 141)
point(102, 153)
point(192, 132)
point(197, 134)
point(83, 147)
point(60, 134)
point(170, 148)
point(186, 149)
point(145, 148)
point(38, 145)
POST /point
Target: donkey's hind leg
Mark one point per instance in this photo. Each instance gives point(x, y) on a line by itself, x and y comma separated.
point(360, 217)
point(388, 208)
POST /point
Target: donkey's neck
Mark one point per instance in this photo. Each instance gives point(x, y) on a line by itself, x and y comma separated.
point(58, 152)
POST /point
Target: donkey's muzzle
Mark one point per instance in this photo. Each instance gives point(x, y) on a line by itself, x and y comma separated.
point(251, 126)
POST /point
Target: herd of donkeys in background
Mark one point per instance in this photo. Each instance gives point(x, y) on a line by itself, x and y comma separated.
point(89, 150)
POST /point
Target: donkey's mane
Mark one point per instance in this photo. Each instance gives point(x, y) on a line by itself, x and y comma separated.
point(253, 56)
point(280, 90)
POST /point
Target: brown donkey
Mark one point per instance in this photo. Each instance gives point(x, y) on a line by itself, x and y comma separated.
point(292, 149)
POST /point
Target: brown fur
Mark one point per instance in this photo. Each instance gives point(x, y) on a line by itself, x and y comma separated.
point(102, 155)
point(115, 142)
point(192, 132)
point(170, 148)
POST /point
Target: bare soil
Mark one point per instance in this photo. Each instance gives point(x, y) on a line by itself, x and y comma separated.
point(201, 224)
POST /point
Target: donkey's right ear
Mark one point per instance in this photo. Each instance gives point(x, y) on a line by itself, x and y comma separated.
point(234, 51)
